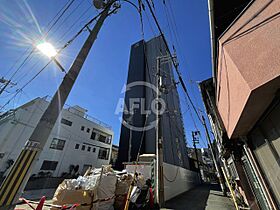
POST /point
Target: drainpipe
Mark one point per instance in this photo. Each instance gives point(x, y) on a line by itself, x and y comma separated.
point(212, 38)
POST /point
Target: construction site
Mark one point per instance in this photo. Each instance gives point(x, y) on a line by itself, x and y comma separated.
point(140, 105)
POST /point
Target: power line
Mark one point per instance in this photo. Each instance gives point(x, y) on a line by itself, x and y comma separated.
point(173, 61)
point(29, 56)
point(65, 45)
point(64, 8)
point(68, 16)
point(59, 17)
point(195, 125)
point(75, 22)
point(174, 64)
point(170, 15)
point(20, 78)
point(168, 24)
point(170, 118)
point(149, 22)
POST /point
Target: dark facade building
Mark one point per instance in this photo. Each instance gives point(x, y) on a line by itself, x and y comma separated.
point(139, 119)
point(242, 99)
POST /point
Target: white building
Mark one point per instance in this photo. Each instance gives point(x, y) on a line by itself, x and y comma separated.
point(76, 139)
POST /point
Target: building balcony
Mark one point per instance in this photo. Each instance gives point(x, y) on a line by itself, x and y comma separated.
point(248, 66)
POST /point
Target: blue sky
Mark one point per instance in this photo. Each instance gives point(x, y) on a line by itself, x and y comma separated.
point(98, 88)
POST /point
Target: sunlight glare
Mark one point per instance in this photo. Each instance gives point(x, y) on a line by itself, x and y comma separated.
point(47, 49)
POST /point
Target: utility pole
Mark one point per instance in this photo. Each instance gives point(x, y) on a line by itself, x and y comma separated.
point(218, 168)
point(195, 135)
point(6, 83)
point(18, 176)
point(159, 141)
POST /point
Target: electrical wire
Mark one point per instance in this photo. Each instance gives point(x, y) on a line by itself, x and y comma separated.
point(149, 75)
point(174, 64)
point(195, 125)
point(59, 17)
point(68, 16)
point(150, 24)
point(75, 22)
point(168, 24)
point(21, 77)
point(65, 45)
point(170, 15)
point(170, 19)
point(64, 8)
point(60, 40)
point(175, 177)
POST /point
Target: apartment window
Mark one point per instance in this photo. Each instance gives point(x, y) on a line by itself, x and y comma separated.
point(49, 165)
point(77, 146)
point(88, 149)
point(102, 138)
point(83, 147)
point(88, 130)
point(93, 135)
point(105, 139)
point(57, 144)
point(103, 153)
point(109, 139)
point(66, 122)
point(82, 128)
point(93, 149)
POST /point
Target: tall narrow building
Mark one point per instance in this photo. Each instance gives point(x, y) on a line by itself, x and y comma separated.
point(139, 119)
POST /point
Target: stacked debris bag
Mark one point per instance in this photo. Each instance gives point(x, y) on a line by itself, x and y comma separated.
point(142, 197)
point(93, 191)
point(123, 183)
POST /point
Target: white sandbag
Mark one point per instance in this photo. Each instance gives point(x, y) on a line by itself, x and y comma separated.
point(106, 205)
point(107, 186)
point(123, 184)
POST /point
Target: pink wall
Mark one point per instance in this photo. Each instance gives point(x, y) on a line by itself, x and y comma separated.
point(249, 67)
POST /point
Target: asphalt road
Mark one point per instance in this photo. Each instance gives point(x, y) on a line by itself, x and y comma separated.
point(206, 196)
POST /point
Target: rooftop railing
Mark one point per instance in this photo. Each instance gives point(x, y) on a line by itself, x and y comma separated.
point(86, 116)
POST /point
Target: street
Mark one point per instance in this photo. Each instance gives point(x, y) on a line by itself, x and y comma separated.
point(126, 104)
point(206, 196)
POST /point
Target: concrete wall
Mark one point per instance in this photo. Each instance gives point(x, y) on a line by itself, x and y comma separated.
point(178, 180)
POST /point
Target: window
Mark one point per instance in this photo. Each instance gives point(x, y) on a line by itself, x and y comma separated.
point(93, 149)
point(103, 153)
point(93, 135)
point(49, 165)
point(82, 128)
point(88, 130)
point(88, 149)
point(105, 139)
point(57, 144)
point(102, 138)
point(66, 122)
point(109, 138)
point(77, 146)
point(83, 147)
point(2, 155)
